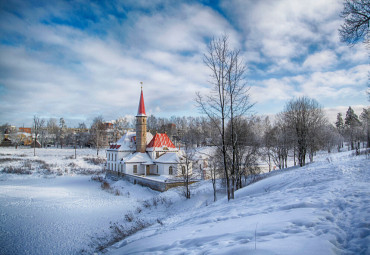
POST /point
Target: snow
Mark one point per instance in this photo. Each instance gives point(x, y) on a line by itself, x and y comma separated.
point(127, 143)
point(139, 157)
point(169, 158)
point(323, 208)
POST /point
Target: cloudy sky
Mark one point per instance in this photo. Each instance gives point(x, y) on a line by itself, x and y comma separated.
point(80, 59)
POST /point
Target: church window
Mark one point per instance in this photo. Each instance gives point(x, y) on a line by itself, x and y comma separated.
point(183, 170)
point(170, 171)
point(135, 169)
point(157, 169)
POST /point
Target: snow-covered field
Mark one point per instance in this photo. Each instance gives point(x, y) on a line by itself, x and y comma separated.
point(323, 208)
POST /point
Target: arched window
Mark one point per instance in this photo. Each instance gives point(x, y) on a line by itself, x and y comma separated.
point(170, 170)
point(183, 170)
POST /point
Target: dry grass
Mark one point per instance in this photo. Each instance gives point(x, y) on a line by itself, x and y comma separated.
point(95, 161)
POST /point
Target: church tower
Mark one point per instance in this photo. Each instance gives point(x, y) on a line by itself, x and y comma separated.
point(141, 126)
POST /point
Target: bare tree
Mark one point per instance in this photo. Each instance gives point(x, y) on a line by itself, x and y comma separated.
point(303, 116)
point(186, 159)
point(62, 131)
point(356, 14)
point(227, 100)
point(38, 124)
point(98, 133)
point(52, 129)
point(15, 138)
point(246, 148)
point(215, 167)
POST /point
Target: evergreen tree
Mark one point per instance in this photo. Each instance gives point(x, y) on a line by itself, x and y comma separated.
point(352, 123)
point(339, 123)
point(340, 128)
point(365, 117)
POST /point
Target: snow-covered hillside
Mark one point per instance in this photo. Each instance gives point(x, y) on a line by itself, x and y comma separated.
point(323, 208)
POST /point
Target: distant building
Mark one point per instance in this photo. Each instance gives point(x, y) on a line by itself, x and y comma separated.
point(140, 153)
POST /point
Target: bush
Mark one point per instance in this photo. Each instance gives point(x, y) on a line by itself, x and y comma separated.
point(129, 217)
point(95, 161)
point(16, 170)
point(146, 204)
point(105, 185)
point(5, 160)
point(139, 210)
point(117, 192)
point(119, 232)
point(97, 178)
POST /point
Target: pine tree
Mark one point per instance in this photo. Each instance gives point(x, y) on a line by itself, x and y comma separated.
point(339, 123)
point(351, 123)
point(365, 117)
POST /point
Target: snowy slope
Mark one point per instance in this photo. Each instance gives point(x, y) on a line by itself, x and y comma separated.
point(323, 208)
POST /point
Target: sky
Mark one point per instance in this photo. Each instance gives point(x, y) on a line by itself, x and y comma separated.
point(81, 59)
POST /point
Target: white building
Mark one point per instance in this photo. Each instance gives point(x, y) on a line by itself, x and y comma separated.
point(141, 153)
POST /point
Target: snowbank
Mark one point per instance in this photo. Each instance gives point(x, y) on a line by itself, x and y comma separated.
point(323, 208)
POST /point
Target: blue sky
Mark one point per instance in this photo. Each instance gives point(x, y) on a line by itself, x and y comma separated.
point(80, 59)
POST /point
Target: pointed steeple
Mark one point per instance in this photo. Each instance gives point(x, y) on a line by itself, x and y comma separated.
point(141, 109)
point(141, 125)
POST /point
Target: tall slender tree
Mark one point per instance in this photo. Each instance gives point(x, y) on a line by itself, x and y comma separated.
point(38, 124)
point(228, 99)
point(352, 123)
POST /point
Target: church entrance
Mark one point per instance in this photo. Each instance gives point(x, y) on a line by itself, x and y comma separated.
point(147, 170)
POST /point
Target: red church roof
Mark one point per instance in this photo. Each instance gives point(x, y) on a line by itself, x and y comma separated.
point(141, 110)
point(161, 140)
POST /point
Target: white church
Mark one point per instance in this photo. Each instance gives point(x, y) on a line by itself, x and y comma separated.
point(142, 154)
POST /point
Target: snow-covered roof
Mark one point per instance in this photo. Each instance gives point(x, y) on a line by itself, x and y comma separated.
point(128, 142)
point(161, 142)
point(169, 158)
point(138, 157)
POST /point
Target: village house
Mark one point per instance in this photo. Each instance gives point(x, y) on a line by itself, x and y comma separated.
point(143, 154)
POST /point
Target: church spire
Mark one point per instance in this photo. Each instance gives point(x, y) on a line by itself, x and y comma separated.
point(141, 109)
point(141, 125)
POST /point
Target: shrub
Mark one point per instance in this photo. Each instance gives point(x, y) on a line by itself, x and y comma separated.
point(5, 160)
point(117, 192)
point(160, 222)
point(146, 204)
point(97, 178)
point(105, 185)
point(95, 161)
point(129, 217)
point(16, 170)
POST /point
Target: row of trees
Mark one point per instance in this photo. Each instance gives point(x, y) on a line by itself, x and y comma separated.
point(299, 131)
point(354, 129)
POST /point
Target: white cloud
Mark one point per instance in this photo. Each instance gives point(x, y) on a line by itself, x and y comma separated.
point(323, 60)
point(58, 69)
